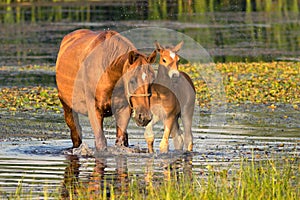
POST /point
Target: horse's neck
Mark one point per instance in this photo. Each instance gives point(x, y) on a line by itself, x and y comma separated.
point(113, 73)
point(162, 74)
point(116, 69)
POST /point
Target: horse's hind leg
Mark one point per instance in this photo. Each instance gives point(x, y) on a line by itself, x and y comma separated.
point(188, 137)
point(177, 135)
point(72, 121)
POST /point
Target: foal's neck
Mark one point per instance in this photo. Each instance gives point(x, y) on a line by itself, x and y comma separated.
point(162, 74)
point(163, 79)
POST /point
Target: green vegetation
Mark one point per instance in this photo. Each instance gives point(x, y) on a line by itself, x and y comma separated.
point(257, 83)
point(249, 179)
point(29, 98)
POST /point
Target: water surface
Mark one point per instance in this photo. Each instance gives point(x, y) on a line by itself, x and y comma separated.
point(229, 30)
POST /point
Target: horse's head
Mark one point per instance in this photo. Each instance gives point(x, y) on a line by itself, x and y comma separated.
point(137, 82)
point(169, 58)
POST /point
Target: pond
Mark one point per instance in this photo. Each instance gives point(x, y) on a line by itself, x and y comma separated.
point(231, 30)
point(34, 144)
point(34, 151)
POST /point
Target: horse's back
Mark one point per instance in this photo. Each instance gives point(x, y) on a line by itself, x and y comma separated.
point(74, 48)
point(76, 45)
point(185, 93)
point(189, 80)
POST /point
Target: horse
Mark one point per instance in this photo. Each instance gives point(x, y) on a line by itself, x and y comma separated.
point(173, 97)
point(101, 74)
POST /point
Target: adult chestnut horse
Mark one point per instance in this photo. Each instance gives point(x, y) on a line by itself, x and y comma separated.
point(173, 96)
point(99, 74)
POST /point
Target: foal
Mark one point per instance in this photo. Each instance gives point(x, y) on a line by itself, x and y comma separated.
point(173, 96)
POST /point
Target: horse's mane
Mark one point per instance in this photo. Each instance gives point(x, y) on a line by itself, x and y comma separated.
point(108, 49)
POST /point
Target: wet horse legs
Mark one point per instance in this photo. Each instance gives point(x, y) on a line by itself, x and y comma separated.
point(177, 136)
point(149, 135)
point(122, 120)
point(72, 121)
point(188, 137)
point(164, 144)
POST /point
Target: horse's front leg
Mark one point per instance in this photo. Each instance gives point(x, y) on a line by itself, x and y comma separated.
point(122, 117)
point(164, 144)
point(96, 120)
point(149, 135)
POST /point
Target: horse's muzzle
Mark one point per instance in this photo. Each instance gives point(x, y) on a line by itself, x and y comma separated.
point(142, 116)
point(173, 73)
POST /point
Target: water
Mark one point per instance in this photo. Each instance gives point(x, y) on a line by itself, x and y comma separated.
point(228, 30)
point(40, 160)
point(33, 145)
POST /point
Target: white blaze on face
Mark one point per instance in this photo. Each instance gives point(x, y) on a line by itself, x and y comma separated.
point(172, 54)
point(144, 75)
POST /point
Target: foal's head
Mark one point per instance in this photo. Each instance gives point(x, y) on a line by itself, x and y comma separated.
point(169, 58)
point(137, 81)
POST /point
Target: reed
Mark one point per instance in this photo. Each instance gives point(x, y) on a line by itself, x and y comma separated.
point(264, 179)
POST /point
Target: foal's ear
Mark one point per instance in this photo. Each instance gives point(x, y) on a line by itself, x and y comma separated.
point(132, 57)
point(152, 57)
point(177, 47)
point(158, 46)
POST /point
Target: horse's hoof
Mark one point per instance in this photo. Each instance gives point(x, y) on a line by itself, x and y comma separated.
point(163, 147)
point(190, 147)
point(83, 150)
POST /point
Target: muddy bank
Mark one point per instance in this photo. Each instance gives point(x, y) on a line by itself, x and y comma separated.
point(276, 120)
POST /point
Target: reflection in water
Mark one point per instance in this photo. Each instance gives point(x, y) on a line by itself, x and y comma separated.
point(103, 176)
point(172, 168)
point(95, 182)
point(230, 30)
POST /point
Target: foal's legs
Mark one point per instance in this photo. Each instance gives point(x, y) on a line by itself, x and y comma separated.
point(72, 121)
point(149, 135)
point(177, 135)
point(187, 119)
point(164, 144)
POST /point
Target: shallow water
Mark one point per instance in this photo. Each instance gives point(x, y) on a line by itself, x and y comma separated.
point(41, 164)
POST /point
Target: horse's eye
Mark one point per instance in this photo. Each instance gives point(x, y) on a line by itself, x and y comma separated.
point(132, 81)
point(164, 60)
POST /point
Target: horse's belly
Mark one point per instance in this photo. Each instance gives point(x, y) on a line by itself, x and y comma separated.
point(158, 111)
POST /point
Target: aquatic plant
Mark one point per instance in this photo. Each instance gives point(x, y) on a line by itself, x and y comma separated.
point(256, 83)
point(30, 98)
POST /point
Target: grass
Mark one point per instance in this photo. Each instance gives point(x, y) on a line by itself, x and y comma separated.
point(253, 180)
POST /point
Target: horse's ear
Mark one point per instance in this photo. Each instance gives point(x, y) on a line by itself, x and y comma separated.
point(178, 47)
point(152, 57)
point(158, 46)
point(132, 57)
